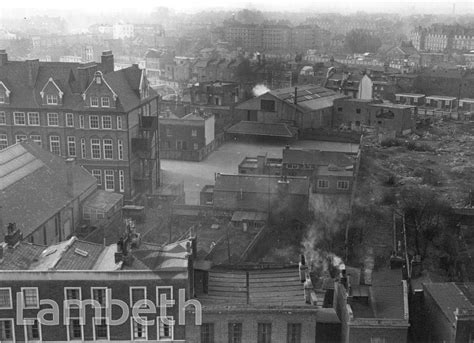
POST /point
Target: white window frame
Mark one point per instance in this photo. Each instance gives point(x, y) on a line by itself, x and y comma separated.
point(131, 293)
point(20, 138)
point(120, 149)
point(74, 288)
point(15, 118)
point(23, 289)
point(55, 141)
point(95, 174)
point(81, 121)
point(121, 181)
point(325, 181)
point(99, 288)
point(35, 139)
point(3, 118)
point(10, 298)
point(111, 173)
point(39, 331)
point(94, 329)
point(158, 288)
point(194, 132)
point(110, 148)
point(50, 117)
point(196, 146)
point(52, 99)
point(132, 331)
point(105, 103)
point(30, 117)
point(345, 182)
point(159, 324)
point(68, 330)
point(83, 148)
point(94, 101)
point(3, 139)
point(12, 323)
point(90, 122)
point(119, 122)
point(71, 142)
point(109, 127)
point(69, 119)
point(2, 97)
point(95, 145)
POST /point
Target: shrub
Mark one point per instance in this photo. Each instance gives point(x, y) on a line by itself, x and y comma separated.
point(388, 142)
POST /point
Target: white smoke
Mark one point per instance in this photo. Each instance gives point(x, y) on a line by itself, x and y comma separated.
point(260, 89)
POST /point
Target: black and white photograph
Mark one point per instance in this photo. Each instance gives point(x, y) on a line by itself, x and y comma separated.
point(241, 171)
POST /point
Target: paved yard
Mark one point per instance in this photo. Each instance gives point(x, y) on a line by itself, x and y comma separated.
point(226, 160)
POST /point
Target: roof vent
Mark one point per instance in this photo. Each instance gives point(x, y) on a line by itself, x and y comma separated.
point(81, 252)
point(49, 251)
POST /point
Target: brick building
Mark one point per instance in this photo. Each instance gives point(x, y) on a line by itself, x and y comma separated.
point(85, 111)
point(80, 270)
point(191, 137)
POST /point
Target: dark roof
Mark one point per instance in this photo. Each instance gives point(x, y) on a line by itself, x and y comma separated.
point(33, 185)
point(103, 200)
point(72, 259)
point(316, 157)
point(21, 257)
point(254, 128)
point(449, 296)
point(389, 294)
point(259, 184)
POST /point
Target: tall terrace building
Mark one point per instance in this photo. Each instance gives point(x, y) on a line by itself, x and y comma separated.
point(106, 120)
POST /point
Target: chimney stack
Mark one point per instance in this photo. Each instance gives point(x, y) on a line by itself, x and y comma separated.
point(32, 66)
point(3, 57)
point(70, 163)
point(303, 268)
point(296, 94)
point(13, 236)
point(107, 61)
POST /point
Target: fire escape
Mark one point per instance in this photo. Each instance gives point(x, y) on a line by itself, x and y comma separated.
point(145, 173)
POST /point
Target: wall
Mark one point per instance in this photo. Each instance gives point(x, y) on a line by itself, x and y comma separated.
point(439, 327)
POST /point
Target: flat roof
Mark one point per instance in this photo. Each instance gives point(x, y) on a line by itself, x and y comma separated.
point(401, 106)
point(410, 95)
point(441, 97)
point(467, 100)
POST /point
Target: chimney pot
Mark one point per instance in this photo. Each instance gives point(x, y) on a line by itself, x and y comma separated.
point(13, 236)
point(3, 57)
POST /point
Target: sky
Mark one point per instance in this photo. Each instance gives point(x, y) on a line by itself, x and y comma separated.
point(400, 6)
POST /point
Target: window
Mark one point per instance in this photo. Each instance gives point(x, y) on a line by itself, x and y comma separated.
point(181, 145)
point(323, 184)
point(72, 293)
point(6, 330)
point(264, 333)
point(69, 119)
point(119, 123)
point(267, 105)
point(3, 141)
point(33, 118)
point(94, 101)
point(109, 180)
point(342, 184)
point(196, 146)
point(53, 119)
point(33, 331)
point(83, 148)
point(36, 139)
point(51, 99)
point(101, 329)
point(71, 146)
point(98, 175)
point(137, 293)
point(94, 122)
point(105, 101)
point(168, 132)
point(358, 110)
point(121, 181)
point(3, 118)
point(74, 329)
point(20, 138)
point(165, 328)
point(207, 333)
point(81, 121)
point(339, 109)
point(139, 330)
point(235, 333)
point(55, 145)
point(120, 149)
point(5, 298)
point(30, 297)
point(108, 149)
point(99, 294)
point(2, 97)
point(194, 132)
point(163, 290)
point(107, 122)
point(293, 333)
point(95, 148)
point(19, 118)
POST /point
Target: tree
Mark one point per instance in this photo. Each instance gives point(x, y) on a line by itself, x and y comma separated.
point(360, 41)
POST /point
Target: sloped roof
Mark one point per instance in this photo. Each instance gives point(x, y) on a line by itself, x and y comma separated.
point(34, 185)
point(254, 128)
point(21, 257)
point(259, 184)
point(103, 200)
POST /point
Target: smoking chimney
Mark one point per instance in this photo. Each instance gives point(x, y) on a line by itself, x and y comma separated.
point(303, 268)
point(3, 57)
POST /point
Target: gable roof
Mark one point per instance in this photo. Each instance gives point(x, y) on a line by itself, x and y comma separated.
point(33, 185)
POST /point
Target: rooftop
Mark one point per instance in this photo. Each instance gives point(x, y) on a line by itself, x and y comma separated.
point(410, 95)
point(390, 105)
point(317, 157)
point(441, 97)
point(262, 129)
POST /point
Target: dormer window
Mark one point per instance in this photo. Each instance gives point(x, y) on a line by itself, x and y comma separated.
point(105, 101)
point(51, 99)
point(94, 101)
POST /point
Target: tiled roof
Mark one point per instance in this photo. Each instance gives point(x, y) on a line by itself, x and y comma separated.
point(39, 190)
point(21, 257)
point(80, 255)
point(262, 129)
point(259, 184)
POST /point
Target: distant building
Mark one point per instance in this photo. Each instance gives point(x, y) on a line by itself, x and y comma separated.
point(123, 30)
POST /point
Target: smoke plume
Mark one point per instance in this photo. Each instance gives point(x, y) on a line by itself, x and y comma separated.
point(260, 89)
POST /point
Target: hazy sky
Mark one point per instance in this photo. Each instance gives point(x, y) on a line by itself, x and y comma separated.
point(400, 6)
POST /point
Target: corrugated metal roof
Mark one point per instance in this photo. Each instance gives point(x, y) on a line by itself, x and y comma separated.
point(16, 163)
